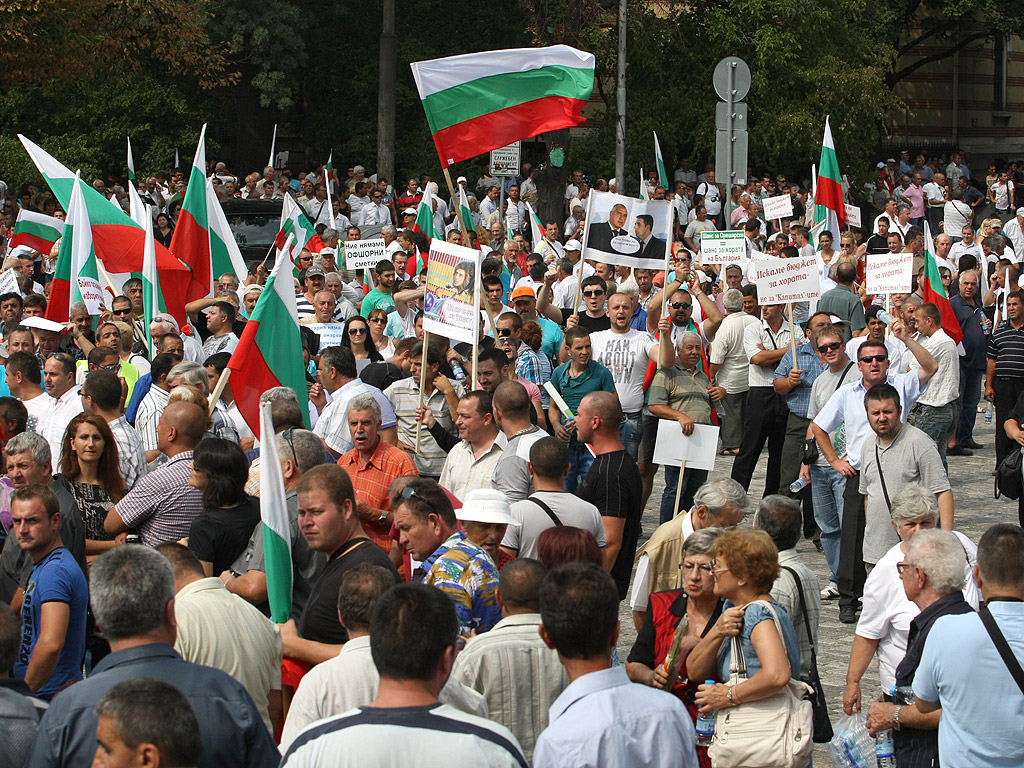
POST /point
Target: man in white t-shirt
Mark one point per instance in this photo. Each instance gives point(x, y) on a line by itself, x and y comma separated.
point(625, 351)
point(711, 196)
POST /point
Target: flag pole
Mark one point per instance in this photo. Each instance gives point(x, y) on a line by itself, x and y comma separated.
point(423, 385)
point(679, 488)
point(273, 146)
point(465, 228)
point(664, 302)
point(792, 333)
point(218, 390)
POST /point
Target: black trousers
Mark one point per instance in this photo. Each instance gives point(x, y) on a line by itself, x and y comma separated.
point(852, 573)
point(1008, 389)
point(764, 415)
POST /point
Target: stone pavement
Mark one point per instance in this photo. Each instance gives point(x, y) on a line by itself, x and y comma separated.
point(975, 510)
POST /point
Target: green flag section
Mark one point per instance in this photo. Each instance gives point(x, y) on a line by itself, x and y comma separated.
point(76, 277)
point(152, 298)
point(191, 239)
point(277, 540)
point(465, 213)
point(645, 193)
point(36, 231)
point(424, 224)
point(828, 195)
point(225, 257)
point(131, 161)
point(118, 241)
point(294, 222)
point(269, 354)
point(662, 171)
point(482, 101)
point(934, 291)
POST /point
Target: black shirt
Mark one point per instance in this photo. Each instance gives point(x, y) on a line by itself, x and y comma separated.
point(877, 244)
point(594, 324)
point(220, 535)
point(613, 485)
point(319, 620)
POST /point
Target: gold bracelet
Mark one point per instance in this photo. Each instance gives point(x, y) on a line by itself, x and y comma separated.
point(731, 700)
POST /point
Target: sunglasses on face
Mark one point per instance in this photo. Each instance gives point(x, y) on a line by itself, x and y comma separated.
point(680, 304)
point(354, 331)
point(126, 311)
point(504, 332)
point(874, 359)
point(593, 294)
point(832, 347)
point(377, 320)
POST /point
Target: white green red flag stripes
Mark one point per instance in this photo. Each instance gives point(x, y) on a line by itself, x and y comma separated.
point(276, 529)
point(828, 195)
point(152, 298)
point(295, 223)
point(225, 257)
point(424, 224)
point(269, 354)
point(537, 236)
point(76, 277)
point(465, 212)
point(131, 161)
point(645, 192)
point(36, 231)
point(934, 291)
point(191, 239)
point(482, 101)
point(662, 171)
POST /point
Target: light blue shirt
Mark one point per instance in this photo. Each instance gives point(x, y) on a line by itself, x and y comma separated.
point(982, 707)
point(604, 719)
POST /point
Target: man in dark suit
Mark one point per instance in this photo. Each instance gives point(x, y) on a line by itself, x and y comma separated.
point(651, 247)
point(601, 234)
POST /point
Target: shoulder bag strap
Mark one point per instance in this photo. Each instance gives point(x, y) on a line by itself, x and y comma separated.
point(881, 476)
point(807, 620)
point(1002, 646)
point(546, 508)
point(842, 379)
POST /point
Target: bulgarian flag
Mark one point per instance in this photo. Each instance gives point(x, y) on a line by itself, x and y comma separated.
point(482, 101)
point(269, 354)
point(934, 291)
point(645, 193)
point(424, 223)
point(225, 256)
point(662, 171)
point(77, 277)
point(191, 239)
point(537, 232)
point(294, 222)
point(152, 298)
point(277, 539)
point(118, 241)
point(329, 174)
point(828, 195)
point(36, 231)
point(131, 161)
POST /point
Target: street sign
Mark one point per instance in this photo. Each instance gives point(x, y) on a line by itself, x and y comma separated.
point(506, 161)
point(740, 78)
point(730, 157)
point(739, 116)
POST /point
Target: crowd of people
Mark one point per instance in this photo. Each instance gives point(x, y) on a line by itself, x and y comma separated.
point(460, 551)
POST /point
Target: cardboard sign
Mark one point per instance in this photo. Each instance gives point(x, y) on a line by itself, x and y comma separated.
point(727, 247)
point(780, 281)
point(852, 215)
point(888, 273)
point(331, 334)
point(697, 450)
point(626, 231)
point(452, 300)
point(92, 294)
point(9, 282)
point(778, 207)
point(364, 254)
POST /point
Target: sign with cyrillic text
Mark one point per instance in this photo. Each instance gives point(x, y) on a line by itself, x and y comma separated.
point(727, 247)
point(780, 281)
point(888, 273)
point(852, 215)
point(364, 254)
point(778, 207)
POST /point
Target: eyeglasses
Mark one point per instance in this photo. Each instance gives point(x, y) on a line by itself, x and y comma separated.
point(504, 332)
point(61, 357)
point(287, 435)
point(874, 359)
point(700, 567)
point(823, 348)
point(846, 245)
point(378, 197)
point(126, 311)
point(901, 568)
point(593, 294)
point(680, 304)
point(410, 493)
point(111, 367)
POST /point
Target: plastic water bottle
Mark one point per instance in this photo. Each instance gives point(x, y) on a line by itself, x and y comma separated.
point(885, 750)
point(799, 484)
point(457, 370)
point(988, 413)
point(902, 694)
point(885, 317)
point(705, 725)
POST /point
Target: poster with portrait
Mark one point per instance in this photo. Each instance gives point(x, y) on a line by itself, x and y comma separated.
point(627, 232)
point(452, 300)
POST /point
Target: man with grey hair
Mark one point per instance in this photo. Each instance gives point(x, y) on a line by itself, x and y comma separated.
point(195, 375)
point(720, 503)
point(132, 595)
point(299, 451)
point(933, 578)
point(729, 369)
point(391, 244)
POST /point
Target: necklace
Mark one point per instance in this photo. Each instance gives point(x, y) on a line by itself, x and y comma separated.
point(522, 432)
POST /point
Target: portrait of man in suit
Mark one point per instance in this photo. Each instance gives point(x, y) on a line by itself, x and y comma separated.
point(651, 247)
point(601, 234)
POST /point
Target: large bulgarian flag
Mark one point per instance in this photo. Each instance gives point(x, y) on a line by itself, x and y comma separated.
point(934, 291)
point(118, 241)
point(76, 277)
point(828, 197)
point(36, 231)
point(225, 256)
point(191, 239)
point(296, 223)
point(277, 539)
point(482, 101)
point(269, 354)
point(152, 298)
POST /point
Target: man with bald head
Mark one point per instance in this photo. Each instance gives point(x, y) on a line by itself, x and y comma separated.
point(601, 234)
point(162, 505)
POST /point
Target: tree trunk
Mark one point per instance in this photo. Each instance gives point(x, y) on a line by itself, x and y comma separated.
point(551, 176)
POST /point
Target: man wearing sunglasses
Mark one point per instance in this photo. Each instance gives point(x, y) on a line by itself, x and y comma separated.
point(846, 407)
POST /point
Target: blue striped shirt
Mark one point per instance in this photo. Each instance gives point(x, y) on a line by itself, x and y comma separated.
point(810, 366)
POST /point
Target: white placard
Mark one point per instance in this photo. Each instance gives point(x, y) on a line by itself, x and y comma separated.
point(778, 207)
point(888, 273)
point(331, 334)
point(451, 303)
point(697, 450)
point(9, 282)
point(852, 215)
point(364, 254)
point(727, 247)
point(92, 294)
point(505, 160)
point(627, 232)
point(780, 281)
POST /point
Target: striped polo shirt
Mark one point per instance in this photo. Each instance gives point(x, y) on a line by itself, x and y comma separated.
point(1006, 347)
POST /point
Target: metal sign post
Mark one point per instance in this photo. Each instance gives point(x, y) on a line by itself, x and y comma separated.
point(732, 82)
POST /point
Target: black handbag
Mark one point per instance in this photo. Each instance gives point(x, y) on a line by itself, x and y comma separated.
point(822, 723)
point(1009, 482)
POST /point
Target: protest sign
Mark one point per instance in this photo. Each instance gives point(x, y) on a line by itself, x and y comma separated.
point(780, 281)
point(626, 231)
point(331, 334)
point(888, 273)
point(92, 294)
point(727, 247)
point(697, 450)
point(852, 215)
point(778, 207)
point(364, 254)
point(9, 282)
point(452, 301)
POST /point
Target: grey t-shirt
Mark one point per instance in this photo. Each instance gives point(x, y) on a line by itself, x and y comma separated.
point(511, 475)
point(912, 458)
point(568, 508)
point(821, 390)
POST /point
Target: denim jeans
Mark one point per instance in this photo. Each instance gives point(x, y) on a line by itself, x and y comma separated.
point(580, 460)
point(630, 433)
point(827, 492)
point(970, 396)
point(692, 480)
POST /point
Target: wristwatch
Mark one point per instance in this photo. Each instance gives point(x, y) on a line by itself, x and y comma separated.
point(383, 517)
point(896, 718)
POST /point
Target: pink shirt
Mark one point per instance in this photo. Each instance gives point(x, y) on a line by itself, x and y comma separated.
point(915, 195)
